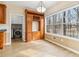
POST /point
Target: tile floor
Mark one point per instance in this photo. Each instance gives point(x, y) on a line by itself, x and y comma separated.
point(38, 48)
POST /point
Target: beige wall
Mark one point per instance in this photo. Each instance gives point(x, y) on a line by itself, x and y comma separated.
point(11, 11)
point(70, 43)
point(66, 42)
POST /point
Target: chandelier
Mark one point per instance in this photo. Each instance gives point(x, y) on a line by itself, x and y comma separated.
point(41, 7)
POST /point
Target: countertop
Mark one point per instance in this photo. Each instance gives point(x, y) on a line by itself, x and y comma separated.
point(3, 30)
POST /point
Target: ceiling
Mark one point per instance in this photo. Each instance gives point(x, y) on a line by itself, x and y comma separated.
point(31, 4)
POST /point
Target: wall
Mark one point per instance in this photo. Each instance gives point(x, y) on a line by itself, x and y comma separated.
point(12, 11)
point(71, 44)
point(18, 19)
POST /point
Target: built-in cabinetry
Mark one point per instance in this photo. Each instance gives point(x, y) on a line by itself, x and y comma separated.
point(2, 14)
point(34, 26)
point(29, 27)
point(2, 35)
point(2, 21)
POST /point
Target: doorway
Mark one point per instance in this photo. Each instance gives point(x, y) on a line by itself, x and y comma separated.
point(17, 28)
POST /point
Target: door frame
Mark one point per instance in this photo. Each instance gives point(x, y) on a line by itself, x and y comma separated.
point(23, 27)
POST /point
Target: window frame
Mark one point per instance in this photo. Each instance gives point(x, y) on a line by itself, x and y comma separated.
point(77, 6)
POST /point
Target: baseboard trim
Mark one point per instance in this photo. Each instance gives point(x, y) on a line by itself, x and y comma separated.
point(70, 49)
point(7, 44)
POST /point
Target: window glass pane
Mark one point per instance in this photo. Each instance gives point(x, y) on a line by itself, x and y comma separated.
point(54, 23)
point(77, 23)
point(48, 26)
point(54, 18)
point(57, 23)
point(48, 21)
point(59, 18)
point(71, 20)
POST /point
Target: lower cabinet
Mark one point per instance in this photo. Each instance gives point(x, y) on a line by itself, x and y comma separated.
point(36, 35)
point(1, 39)
point(29, 36)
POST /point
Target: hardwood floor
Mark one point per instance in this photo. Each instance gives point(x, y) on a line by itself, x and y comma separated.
point(38, 48)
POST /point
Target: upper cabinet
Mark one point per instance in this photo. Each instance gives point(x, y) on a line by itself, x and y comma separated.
point(2, 14)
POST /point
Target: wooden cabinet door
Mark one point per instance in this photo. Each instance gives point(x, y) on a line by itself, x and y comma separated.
point(29, 27)
point(29, 22)
point(1, 39)
point(36, 35)
point(29, 36)
point(42, 27)
point(2, 14)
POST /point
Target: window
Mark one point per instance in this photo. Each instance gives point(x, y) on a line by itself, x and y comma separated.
point(48, 25)
point(54, 23)
point(64, 23)
point(57, 23)
point(71, 22)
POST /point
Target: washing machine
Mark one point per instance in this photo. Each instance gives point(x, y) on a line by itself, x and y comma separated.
point(16, 31)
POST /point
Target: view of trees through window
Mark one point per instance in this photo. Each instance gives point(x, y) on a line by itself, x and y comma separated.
point(64, 23)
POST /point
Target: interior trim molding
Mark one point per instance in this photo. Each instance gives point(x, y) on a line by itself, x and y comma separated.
point(7, 44)
point(70, 49)
point(62, 36)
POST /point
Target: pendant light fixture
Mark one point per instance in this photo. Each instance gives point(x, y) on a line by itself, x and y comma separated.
point(41, 7)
